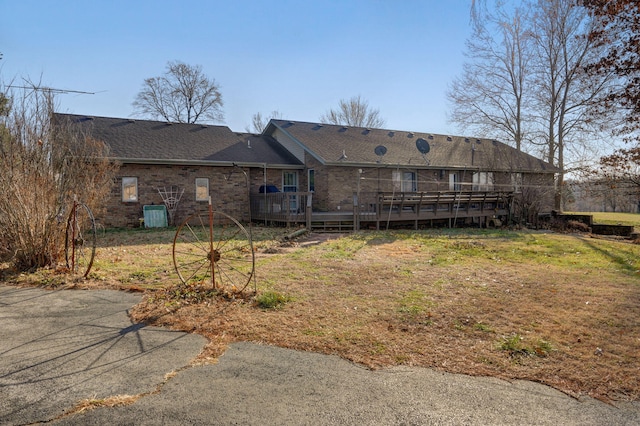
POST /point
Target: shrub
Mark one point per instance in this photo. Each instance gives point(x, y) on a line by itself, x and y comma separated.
point(43, 166)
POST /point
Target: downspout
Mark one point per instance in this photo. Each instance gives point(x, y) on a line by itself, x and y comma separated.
point(264, 185)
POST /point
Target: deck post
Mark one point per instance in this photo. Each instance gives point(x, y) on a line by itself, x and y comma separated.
point(308, 210)
point(356, 210)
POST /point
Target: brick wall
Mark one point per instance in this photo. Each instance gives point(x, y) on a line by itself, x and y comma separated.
point(227, 187)
point(334, 187)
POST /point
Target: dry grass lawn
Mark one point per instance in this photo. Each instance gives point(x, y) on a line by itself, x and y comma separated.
point(563, 310)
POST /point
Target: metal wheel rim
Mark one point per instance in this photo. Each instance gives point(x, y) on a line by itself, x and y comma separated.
point(80, 240)
point(232, 259)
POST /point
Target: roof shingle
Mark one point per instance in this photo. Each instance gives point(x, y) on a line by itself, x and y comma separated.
point(332, 143)
point(132, 140)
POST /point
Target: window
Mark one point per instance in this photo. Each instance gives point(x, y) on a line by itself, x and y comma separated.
point(289, 181)
point(409, 182)
point(129, 189)
point(311, 180)
point(483, 181)
point(404, 181)
point(454, 182)
point(202, 189)
point(290, 184)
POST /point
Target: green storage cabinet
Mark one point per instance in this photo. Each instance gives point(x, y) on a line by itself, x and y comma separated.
point(155, 216)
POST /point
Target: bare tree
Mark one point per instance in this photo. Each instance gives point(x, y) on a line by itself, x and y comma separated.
point(43, 165)
point(565, 92)
point(183, 95)
point(258, 123)
point(619, 173)
point(354, 112)
point(535, 75)
point(617, 30)
point(489, 98)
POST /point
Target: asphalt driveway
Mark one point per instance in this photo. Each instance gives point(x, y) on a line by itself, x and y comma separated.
point(60, 347)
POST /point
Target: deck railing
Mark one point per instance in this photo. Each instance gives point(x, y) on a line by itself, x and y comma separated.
point(434, 202)
point(281, 207)
point(376, 207)
point(434, 205)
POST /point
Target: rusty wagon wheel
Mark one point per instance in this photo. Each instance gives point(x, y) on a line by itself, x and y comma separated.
point(80, 240)
point(214, 248)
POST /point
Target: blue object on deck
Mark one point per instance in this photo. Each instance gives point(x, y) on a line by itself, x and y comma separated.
point(268, 189)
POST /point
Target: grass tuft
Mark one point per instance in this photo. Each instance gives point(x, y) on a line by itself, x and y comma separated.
point(272, 300)
point(515, 345)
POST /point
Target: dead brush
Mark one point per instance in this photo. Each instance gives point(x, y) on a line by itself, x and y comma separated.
point(577, 226)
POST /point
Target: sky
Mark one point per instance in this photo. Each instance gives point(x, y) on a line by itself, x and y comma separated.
point(296, 57)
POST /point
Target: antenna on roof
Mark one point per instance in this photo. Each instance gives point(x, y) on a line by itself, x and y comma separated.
point(424, 148)
point(52, 90)
point(380, 151)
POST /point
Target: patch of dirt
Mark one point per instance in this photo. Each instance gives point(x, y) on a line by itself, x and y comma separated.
point(318, 237)
point(305, 240)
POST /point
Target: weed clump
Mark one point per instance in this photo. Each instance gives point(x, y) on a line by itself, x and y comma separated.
point(515, 346)
point(576, 226)
point(194, 294)
point(189, 294)
point(272, 300)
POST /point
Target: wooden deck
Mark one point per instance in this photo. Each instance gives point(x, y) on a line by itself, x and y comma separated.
point(432, 208)
point(282, 208)
point(386, 210)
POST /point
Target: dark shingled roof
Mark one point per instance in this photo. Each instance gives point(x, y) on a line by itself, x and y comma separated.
point(330, 144)
point(144, 141)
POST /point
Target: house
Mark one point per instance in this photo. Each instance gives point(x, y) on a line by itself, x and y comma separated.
point(318, 174)
point(202, 160)
point(381, 164)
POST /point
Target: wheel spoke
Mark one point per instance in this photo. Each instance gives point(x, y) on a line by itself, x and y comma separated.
point(232, 257)
point(224, 239)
